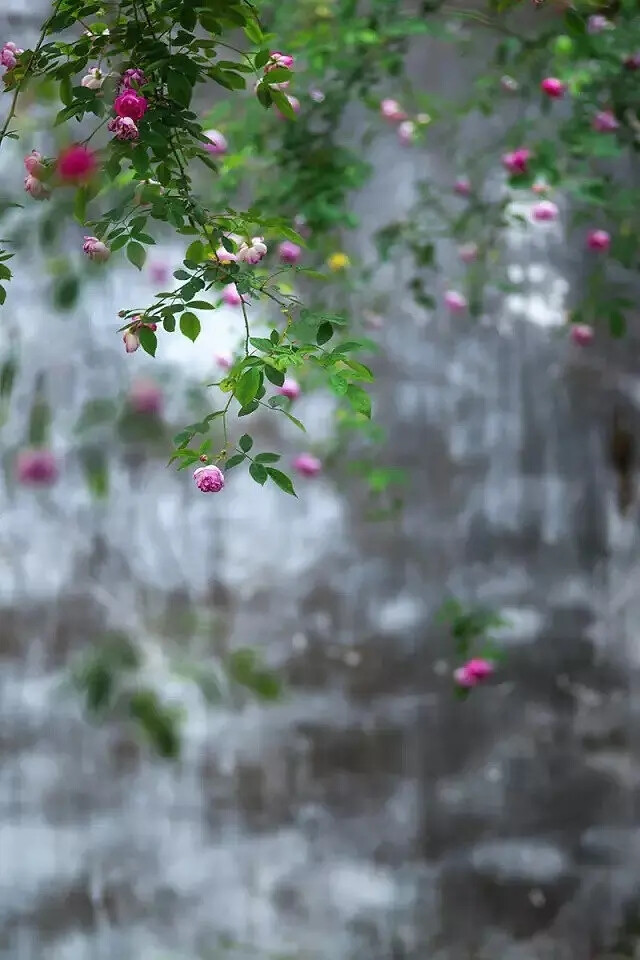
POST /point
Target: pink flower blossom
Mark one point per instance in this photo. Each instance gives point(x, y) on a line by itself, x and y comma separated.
point(553, 87)
point(307, 465)
point(544, 211)
point(36, 467)
point(159, 271)
point(131, 104)
point(605, 122)
point(34, 165)
point(468, 252)
point(290, 388)
point(391, 110)
point(254, 252)
point(96, 250)
point(278, 59)
point(145, 397)
point(231, 296)
point(123, 128)
point(462, 187)
point(94, 79)
point(217, 142)
point(209, 479)
point(36, 188)
point(597, 23)
point(132, 77)
point(517, 160)
point(598, 240)
point(294, 103)
point(456, 302)
point(76, 164)
point(9, 55)
point(225, 256)
point(473, 672)
point(582, 334)
point(406, 132)
point(289, 252)
point(223, 360)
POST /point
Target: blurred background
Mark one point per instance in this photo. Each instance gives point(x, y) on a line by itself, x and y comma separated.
point(362, 813)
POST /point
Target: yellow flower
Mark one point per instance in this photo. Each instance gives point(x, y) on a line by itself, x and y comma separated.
point(338, 261)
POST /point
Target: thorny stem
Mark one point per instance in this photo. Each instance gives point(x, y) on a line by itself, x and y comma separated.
point(246, 327)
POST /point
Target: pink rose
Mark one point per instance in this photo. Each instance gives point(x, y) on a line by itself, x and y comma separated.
point(231, 296)
point(36, 188)
point(516, 161)
point(468, 252)
point(145, 397)
point(289, 252)
point(598, 240)
point(406, 132)
point(123, 128)
point(254, 252)
point(545, 210)
point(307, 465)
point(456, 302)
point(290, 388)
point(473, 672)
point(209, 479)
point(33, 164)
point(76, 164)
point(223, 360)
point(131, 341)
point(36, 467)
point(605, 122)
point(553, 87)
point(131, 104)
point(217, 142)
point(582, 334)
point(462, 187)
point(391, 110)
point(132, 76)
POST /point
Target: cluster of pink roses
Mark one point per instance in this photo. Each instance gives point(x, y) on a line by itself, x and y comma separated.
point(473, 672)
point(131, 336)
point(33, 182)
point(9, 55)
point(129, 106)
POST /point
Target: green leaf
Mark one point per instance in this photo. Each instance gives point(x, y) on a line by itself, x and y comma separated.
point(282, 103)
point(245, 443)
point(274, 376)
point(200, 305)
point(258, 473)
point(137, 254)
point(248, 408)
point(267, 458)
point(179, 87)
point(359, 400)
point(299, 424)
point(234, 461)
point(65, 292)
point(148, 340)
point(190, 325)
point(195, 252)
point(247, 387)
point(281, 480)
point(338, 384)
point(324, 334)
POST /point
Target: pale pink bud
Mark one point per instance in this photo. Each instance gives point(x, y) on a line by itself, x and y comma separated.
point(278, 59)
point(36, 188)
point(468, 252)
point(582, 334)
point(455, 301)
point(36, 467)
point(132, 76)
point(289, 252)
point(231, 296)
point(509, 84)
point(145, 397)
point(217, 142)
point(406, 132)
point(516, 161)
point(159, 271)
point(598, 240)
point(605, 122)
point(553, 87)
point(544, 211)
point(290, 388)
point(94, 79)
point(123, 128)
point(294, 103)
point(391, 110)
point(223, 360)
point(307, 465)
point(96, 250)
point(209, 479)
point(9, 55)
point(462, 187)
point(597, 23)
point(131, 341)
point(33, 164)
